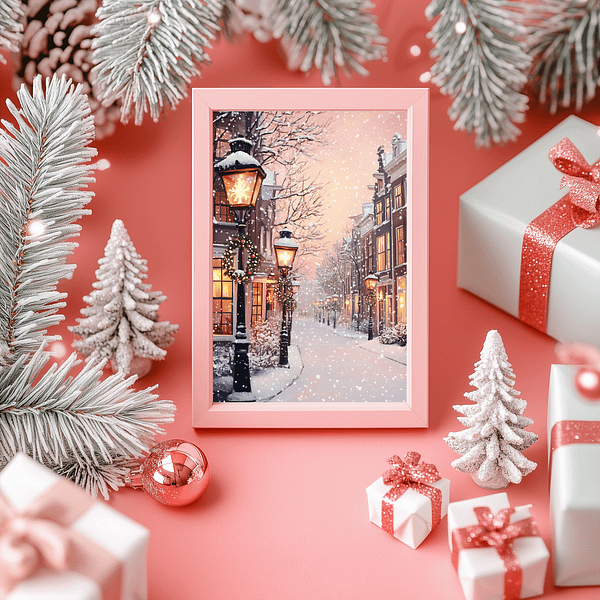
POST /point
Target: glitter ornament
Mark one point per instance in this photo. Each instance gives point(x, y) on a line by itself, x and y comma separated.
point(587, 380)
point(175, 473)
point(492, 444)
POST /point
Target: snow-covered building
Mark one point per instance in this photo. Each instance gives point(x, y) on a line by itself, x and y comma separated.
point(260, 294)
point(390, 229)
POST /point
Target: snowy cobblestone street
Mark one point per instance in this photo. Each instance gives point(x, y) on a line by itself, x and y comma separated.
point(340, 368)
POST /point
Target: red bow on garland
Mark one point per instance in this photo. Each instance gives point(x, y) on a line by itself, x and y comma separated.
point(407, 474)
point(499, 533)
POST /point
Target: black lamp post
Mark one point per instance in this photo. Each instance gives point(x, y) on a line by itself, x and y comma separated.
point(285, 252)
point(328, 306)
point(371, 283)
point(242, 177)
point(334, 305)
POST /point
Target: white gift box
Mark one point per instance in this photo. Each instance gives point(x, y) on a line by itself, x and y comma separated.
point(492, 222)
point(412, 519)
point(23, 482)
point(481, 570)
point(574, 486)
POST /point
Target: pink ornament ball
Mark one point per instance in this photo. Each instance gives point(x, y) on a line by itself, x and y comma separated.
point(175, 473)
point(588, 383)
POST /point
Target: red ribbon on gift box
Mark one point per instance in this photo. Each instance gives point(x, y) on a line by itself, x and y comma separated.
point(40, 536)
point(408, 474)
point(573, 432)
point(499, 533)
point(579, 208)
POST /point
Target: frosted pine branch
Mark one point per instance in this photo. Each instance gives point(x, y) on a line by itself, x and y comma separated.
point(42, 172)
point(80, 426)
point(11, 30)
point(329, 35)
point(146, 52)
point(563, 38)
point(482, 64)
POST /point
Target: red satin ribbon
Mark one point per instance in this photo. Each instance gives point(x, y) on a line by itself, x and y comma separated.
point(43, 533)
point(579, 208)
point(408, 474)
point(573, 432)
point(496, 532)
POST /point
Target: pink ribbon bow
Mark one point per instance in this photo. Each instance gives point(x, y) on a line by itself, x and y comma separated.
point(29, 540)
point(579, 208)
point(498, 532)
point(407, 474)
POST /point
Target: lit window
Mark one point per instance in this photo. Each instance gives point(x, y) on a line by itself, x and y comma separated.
point(222, 300)
point(400, 246)
point(221, 208)
point(399, 195)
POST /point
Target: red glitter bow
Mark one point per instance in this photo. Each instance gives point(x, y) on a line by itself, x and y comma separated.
point(579, 208)
point(496, 532)
point(407, 474)
point(582, 179)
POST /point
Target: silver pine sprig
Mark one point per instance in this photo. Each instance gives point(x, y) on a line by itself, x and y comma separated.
point(75, 423)
point(11, 29)
point(481, 62)
point(330, 35)
point(80, 426)
point(44, 170)
point(563, 38)
point(146, 52)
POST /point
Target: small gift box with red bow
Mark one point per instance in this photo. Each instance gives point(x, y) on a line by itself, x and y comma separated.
point(529, 234)
point(574, 453)
point(58, 543)
point(496, 550)
point(409, 500)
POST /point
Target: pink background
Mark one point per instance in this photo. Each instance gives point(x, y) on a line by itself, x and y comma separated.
point(285, 515)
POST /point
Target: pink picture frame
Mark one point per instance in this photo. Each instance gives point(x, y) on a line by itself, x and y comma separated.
point(413, 413)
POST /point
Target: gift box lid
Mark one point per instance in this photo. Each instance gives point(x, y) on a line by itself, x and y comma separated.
point(460, 514)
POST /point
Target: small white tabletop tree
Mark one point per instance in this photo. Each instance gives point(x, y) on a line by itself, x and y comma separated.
point(121, 321)
point(492, 444)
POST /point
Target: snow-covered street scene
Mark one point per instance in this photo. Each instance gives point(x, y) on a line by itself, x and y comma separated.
point(310, 256)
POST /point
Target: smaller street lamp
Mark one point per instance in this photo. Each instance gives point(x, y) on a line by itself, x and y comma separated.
point(371, 283)
point(334, 300)
point(285, 252)
point(328, 305)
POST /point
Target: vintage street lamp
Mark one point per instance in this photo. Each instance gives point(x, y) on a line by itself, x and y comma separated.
point(328, 305)
point(334, 300)
point(285, 252)
point(371, 283)
point(242, 177)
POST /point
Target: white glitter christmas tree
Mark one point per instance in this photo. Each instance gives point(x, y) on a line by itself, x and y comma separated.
point(492, 444)
point(122, 317)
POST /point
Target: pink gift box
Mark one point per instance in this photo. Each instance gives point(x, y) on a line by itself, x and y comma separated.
point(481, 570)
point(106, 550)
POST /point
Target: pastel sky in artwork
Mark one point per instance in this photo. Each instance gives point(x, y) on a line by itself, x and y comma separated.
point(348, 161)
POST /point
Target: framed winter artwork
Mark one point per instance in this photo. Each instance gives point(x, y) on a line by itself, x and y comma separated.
point(310, 257)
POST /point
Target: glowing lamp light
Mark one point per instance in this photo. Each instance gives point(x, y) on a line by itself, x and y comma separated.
point(285, 250)
point(335, 297)
point(35, 228)
point(153, 17)
point(371, 281)
point(242, 176)
point(460, 27)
